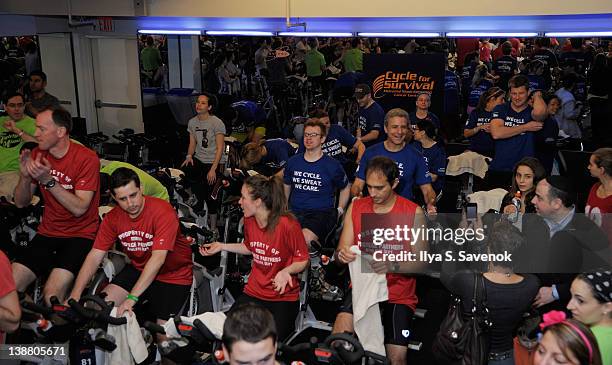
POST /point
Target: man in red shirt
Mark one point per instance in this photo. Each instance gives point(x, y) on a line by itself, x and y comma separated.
point(148, 230)
point(382, 176)
point(10, 311)
point(68, 177)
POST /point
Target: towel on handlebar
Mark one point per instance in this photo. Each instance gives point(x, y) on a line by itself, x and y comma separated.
point(213, 320)
point(487, 200)
point(470, 162)
point(369, 289)
point(131, 347)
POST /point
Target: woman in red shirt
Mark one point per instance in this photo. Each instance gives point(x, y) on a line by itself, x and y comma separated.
point(274, 238)
point(599, 202)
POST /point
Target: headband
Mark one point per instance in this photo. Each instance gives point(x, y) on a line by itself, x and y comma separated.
point(556, 317)
point(601, 281)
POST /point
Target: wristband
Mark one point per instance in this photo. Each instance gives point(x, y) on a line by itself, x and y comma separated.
point(189, 156)
point(340, 211)
point(20, 133)
point(133, 297)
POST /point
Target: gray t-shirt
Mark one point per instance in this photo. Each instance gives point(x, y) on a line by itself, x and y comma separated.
point(205, 132)
point(47, 100)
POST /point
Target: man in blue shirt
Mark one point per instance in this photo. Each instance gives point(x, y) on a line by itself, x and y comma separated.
point(371, 116)
point(266, 156)
point(410, 162)
point(423, 102)
point(513, 127)
point(337, 138)
point(311, 181)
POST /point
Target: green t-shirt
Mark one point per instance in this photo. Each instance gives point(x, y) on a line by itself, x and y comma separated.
point(150, 58)
point(10, 143)
point(353, 60)
point(314, 60)
point(150, 185)
point(603, 334)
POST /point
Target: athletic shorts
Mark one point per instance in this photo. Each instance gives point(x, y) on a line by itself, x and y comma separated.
point(163, 300)
point(396, 320)
point(320, 222)
point(284, 313)
point(45, 253)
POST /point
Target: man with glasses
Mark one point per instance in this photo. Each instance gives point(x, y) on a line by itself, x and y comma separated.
point(337, 138)
point(371, 117)
point(311, 180)
point(15, 129)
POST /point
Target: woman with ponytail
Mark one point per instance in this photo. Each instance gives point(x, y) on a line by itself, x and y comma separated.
point(274, 238)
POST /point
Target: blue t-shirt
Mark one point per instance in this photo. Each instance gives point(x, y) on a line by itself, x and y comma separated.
point(313, 184)
point(451, 92)
point(504, 67)
point(279, 151)
point(350, 79)
point(337, 137)
point(430, 117)
point(249, 112)
point(575, 60)
point(475, 92)
point(545, 147)
point(509, 151)
point(536, 82)
point(372, 118)
point(481, 142)
point(467, 73)
point(435, 158)
point(410, 162)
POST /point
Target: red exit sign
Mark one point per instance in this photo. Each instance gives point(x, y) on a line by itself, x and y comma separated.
point(106, 24)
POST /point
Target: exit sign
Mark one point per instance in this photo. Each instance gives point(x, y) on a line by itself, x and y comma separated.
point(106, 24)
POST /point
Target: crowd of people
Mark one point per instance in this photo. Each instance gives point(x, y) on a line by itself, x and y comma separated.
point(393, 163)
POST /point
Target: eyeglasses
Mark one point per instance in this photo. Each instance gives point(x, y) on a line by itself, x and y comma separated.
point(311, 135)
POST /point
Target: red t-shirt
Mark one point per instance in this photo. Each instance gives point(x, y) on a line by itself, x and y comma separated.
point(7, 284)
point(600, 210)
point(401, 288)
point(79, 169)
point(465, 46)
point(498, 53)
point(272, 252)
point(485, 52)
point(156, 228)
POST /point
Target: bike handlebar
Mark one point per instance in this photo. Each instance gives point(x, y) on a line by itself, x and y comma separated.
point(89, 313)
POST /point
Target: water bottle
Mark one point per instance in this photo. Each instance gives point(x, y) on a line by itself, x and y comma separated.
point(44, 325)
point(516, 201)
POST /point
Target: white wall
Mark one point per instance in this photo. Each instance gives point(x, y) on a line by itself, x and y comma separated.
point(301, 8)
point(56, 59)
point(60, 7)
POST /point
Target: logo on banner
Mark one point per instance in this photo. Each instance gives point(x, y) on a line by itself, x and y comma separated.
point(402, 84)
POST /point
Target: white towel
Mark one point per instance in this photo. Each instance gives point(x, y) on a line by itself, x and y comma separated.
point(131, 347)
point(470, 162)
point(368, 290)
point(486, 200)
point(213, 320)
